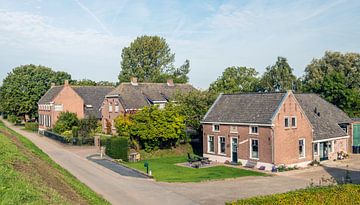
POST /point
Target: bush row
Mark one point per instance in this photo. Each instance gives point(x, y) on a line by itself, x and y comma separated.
point(117, 148)
point(32, 126)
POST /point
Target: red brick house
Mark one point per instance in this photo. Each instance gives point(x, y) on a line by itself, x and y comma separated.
point(269, 129)
point(129, 97)
point(82, 100)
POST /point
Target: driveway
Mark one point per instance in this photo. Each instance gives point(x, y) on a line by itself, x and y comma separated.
point(119, 189)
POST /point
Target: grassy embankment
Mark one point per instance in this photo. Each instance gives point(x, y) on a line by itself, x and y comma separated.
point(29, 176)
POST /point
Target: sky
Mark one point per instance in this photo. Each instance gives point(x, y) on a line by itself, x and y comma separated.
point(85, 37)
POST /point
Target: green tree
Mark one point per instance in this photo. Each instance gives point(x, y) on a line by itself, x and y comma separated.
point(87, 126)
point(83, 82)
point(235, 79)
point(65, 122)
point(105, 83)
point(149, 58)
point(336, 77)
point(278, 77)
point(25, 85)
point(123, 125)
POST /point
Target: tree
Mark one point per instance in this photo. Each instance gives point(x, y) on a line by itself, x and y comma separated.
point(194, 105)
point(25, 85)
point(235, 79)
point(83, 82)
point(149, 58)
point(123, 125)
point(65, 122)
point(105, 83)
point(336, 77)
point(87, 126)
point(278, 77)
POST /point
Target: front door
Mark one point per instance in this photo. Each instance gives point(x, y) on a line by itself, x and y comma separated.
point(323, 151)
point(234, 149)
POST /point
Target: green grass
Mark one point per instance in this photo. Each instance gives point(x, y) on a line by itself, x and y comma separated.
point(342, 194)
point(164, 169)
point(17, 187)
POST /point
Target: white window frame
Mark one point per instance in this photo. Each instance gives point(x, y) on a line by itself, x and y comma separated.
point(317, 152)
point(208, 144)
point(117, 108)
point(304, 148)
point(293, 117)
point(258, 151)
point(288, 119)
point(219, 145)
point(254, 133)
point(58, 108)
point(110, 107)
point(233, 127)
point(213, 127)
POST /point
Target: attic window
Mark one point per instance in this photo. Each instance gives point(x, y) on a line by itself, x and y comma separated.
point(89, 106)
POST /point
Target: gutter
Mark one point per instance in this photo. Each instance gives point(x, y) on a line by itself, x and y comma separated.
point(235, 123)
point(336, 138)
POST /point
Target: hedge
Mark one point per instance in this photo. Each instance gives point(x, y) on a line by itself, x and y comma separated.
point(32, 126)
point(117, 148)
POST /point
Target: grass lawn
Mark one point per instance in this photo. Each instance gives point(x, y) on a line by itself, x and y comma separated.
point(29, 176)
point(342, 194)
point(164, 169)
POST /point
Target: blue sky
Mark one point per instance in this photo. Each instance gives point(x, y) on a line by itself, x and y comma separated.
point(85, 37)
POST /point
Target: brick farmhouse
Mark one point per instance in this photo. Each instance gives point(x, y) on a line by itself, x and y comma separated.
point(267, 129)
point(129, 97)
point(82, 100)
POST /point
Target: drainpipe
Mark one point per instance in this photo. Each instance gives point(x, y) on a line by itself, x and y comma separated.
point(272, 145)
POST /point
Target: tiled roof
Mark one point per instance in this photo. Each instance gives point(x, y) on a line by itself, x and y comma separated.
point(143, 94)
point(245, 108)
point(326, 123)
point(94, 96)
point(50, 94)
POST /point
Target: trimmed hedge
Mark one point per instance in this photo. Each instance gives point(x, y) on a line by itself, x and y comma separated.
point(32, 126)
point(117, 148)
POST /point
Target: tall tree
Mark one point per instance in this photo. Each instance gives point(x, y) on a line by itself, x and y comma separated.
point(83, 82)
point(235, 79)
point(336, 77)
point(149, 58)
point(278, 77)
point(25, 85)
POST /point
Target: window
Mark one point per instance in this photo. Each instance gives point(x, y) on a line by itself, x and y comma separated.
point(286, 123)
point(254, 149)
point(293, 122)
point(58, 108)
point(116, 108)
point(253, 130)
point(211, 144)
point(216, 128)
point(316, 149)
point(302, 148)
point(233, 129)
point(222, 145)
point(329, 145)
point(110, 107)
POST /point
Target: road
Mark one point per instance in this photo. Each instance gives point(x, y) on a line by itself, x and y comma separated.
point(119, 189)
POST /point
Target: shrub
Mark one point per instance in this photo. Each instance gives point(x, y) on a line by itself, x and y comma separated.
point(68, 135)
point(87, 126)
point(66, 121)
point(14, 119)
point(75, 131)
point(117, 148)
point(32, 126)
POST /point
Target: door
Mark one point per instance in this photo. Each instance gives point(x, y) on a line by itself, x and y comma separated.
point(234, 149)
point(323, 151)
point(356, 138)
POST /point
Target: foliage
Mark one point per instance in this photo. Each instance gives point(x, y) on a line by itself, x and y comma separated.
point(278, 77)
point(25, 85)
point(236, 79)
point(75, 131)
point(158, 128)
point(66, 121)
point(106, 83)
point(344, 194)
point(123, 125)
point(68, 135)
point(108, 127)
point(336, 77)
point(87, 126)
point(31, 186)
point(118, 148)
point(165, 169)
point(14, 119)
point(149, 58)
point(83, 82)
point(193, 106)
point(180, 150)
point(32, 126)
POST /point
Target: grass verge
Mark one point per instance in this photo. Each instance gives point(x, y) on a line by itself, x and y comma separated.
point(29, 176)
point(165, 169)
point(341, 194)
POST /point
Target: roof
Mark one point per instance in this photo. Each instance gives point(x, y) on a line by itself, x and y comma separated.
point(326, 125)
point(50, 94)
point(257, 108)
point(356, 119)
point(141, 95)
point(94, 96)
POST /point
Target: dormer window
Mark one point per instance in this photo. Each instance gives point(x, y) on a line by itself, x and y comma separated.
point(216, 128)
point(254, 130)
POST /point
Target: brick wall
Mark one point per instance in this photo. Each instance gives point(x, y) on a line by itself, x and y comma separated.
point(110, 116)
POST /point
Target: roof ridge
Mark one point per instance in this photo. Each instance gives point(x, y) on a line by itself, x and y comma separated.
point(247, 93)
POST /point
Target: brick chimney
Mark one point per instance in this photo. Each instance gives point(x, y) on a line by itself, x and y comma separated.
point(66, 83)
point(134, 81)
point(170, 82)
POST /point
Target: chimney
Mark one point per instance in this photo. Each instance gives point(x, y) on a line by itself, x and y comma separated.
point(52, 84)
point(170, 82)
point(66, 82)
point(134, 81)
